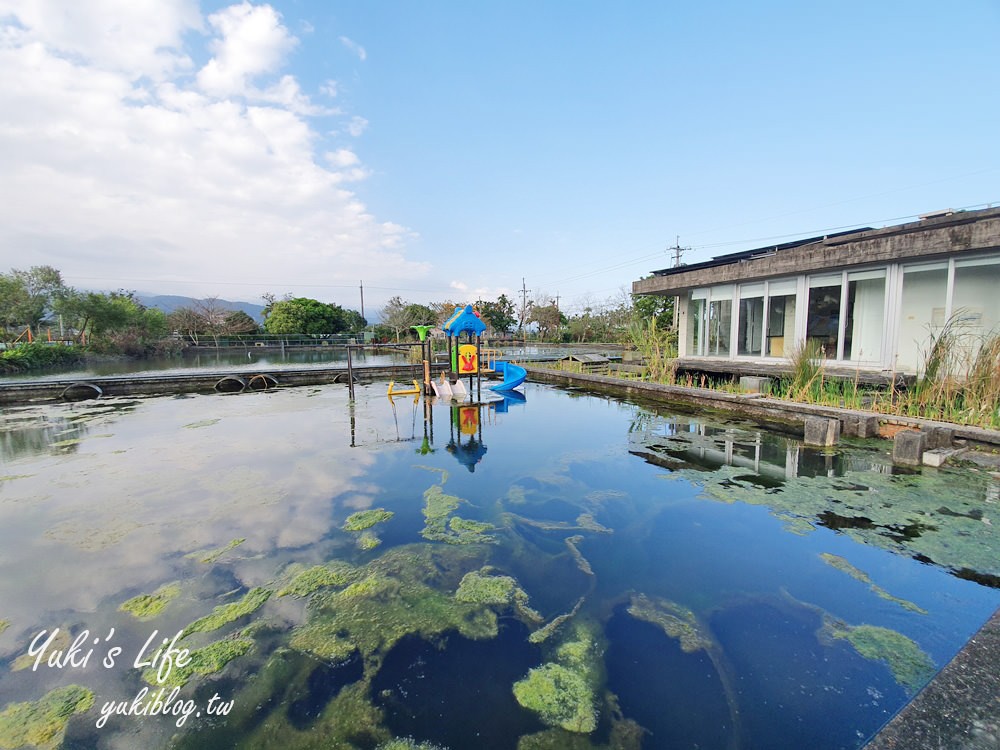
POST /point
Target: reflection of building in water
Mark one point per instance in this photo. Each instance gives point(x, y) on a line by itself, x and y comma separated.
point(684, 443)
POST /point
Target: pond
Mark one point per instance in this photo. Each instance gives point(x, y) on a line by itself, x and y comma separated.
point(558, 569)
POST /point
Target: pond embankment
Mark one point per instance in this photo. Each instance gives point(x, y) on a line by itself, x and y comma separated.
point(771, 412)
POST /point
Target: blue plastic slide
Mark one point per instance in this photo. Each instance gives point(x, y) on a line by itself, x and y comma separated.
point(512, 375)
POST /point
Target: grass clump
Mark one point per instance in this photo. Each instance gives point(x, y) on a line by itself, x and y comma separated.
point(227, 613)
point(42, 723)
point(38, 356)
point(148, 606)
point(365, 519)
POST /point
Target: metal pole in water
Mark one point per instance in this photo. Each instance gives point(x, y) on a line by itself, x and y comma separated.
point(350, 377)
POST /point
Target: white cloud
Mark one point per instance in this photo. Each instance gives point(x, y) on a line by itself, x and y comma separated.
point(357, 126)
point(252, 41)
point(354, 47)
point(117, 178)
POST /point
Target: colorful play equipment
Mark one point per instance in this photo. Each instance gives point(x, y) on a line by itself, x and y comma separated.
point(470, 359)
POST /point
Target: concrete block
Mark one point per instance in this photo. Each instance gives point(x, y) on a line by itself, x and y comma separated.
point(860, 425)
point(908, 448)
point(755, 384)
point(937, 437)
point(822, 431)
point(938, 456)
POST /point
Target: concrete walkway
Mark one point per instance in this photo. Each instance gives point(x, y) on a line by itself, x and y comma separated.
point(959, 709)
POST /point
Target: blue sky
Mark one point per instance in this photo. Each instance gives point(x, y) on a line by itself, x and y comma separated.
point(448, 150)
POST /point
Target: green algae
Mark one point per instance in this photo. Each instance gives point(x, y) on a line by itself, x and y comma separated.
point(408, 743)
point(226, 613)
point(42, 723)
point(581, 561)
point(544, 633)
point(365, 519)
point(675, 620)
point(910, 665)
point(839, 563)
point(441, 526)
point(203, 661)
point(148, 606)
point(560, 697)
point(405, 591)
point(368, 541)
point(481, 587)
point(202, 423)
point(61, 642)
point(563, 691)
point(317, 577)
point(210, 556)
point(4, 624)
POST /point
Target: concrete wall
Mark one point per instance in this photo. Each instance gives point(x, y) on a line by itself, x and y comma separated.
point(959, 233)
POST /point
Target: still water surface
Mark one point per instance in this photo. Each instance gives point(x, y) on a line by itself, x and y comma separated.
point(560, 570)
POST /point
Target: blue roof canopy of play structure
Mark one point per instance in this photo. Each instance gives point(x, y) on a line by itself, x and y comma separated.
point(464, 321)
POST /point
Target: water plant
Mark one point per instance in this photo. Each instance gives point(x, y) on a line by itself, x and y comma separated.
point(308, 581)
point(210, 556)
point(441, 526)
point(407, 590)
point(844, 566)
point(909, 664)
point(148, 606)
point(226, 613)
point(482, 587)
point(368, 541)
point(42, 723)
point(408, 743)
point(674, 619)
point(563, 691)
point(4, 624)
point(203, 661)
point(365, 519)
point(38, 355)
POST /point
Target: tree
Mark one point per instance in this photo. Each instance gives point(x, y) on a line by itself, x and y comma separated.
point(398, 315)
point(27, 296)
point(116, 321)
point(548, 319)
point(305, 315)
point(655, 306)
point(499, 315)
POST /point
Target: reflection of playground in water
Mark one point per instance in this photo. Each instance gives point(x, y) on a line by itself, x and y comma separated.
point(465, 424)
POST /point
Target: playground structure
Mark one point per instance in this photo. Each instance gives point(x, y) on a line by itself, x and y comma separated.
point(471, 360)
point(465, 360)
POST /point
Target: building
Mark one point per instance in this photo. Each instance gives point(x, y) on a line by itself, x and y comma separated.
point(873, 299)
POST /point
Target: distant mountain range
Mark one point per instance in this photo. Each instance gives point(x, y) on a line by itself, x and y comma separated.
point(170, 302)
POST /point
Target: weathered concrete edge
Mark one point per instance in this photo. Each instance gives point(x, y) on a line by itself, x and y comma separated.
point(752, 405)
point(146, 384)
point(959, 708)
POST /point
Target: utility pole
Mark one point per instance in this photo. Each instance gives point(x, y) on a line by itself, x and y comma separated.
point(678, 251)
point(362, 298)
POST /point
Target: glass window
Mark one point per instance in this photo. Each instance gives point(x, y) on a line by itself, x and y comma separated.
point(696, 327)
point(864, 329)
point(976, 303)
point(720, 318)
point(921, 313)
point(751, 323)
point(823, 317)
point(780, 325)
